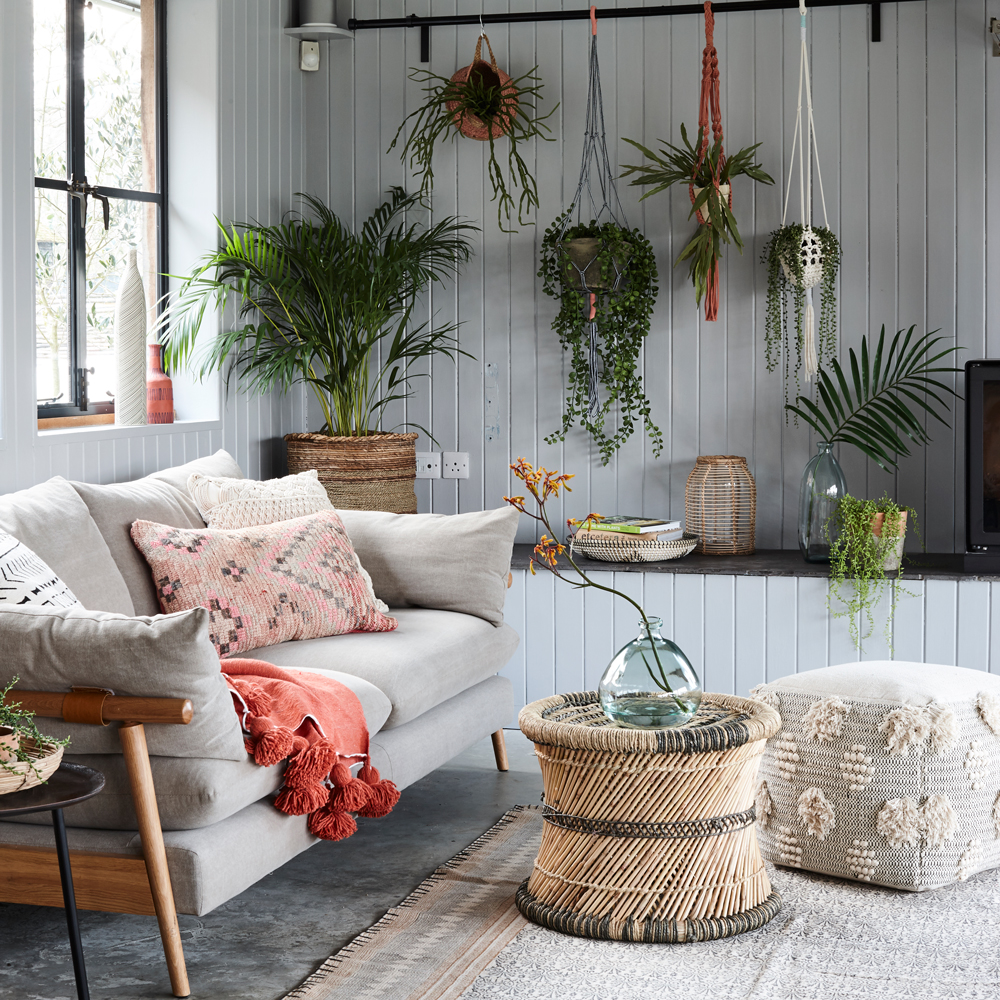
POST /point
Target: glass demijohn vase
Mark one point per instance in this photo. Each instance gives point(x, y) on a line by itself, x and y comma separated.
point(650, 684)
point(823, 487)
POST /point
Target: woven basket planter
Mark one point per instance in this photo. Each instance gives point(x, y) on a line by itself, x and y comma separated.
point(472, 126)
point(43, 760)
point(374, 472)
point(649, 835)
point(618, 547)
point(720, 505)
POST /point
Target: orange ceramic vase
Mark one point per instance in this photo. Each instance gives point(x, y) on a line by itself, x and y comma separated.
point(159, 389)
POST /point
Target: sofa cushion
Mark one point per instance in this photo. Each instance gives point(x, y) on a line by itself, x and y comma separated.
point(194, 792)
point(114, 508)
point(169, 656)
point(26, 579)
point(243, 503)
point(430, 657)
point(296, 579)
point(452, 562)
point(219, 464)
point(54, 523)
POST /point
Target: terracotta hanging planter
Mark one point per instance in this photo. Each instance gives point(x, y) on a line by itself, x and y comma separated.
point(490, 75)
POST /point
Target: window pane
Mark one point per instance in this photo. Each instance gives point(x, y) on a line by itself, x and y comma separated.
point(119, 104)
point(51, 298)
point(50, 88)
point(133, 224)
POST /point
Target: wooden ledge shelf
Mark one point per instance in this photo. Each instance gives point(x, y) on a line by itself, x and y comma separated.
point(768, 562)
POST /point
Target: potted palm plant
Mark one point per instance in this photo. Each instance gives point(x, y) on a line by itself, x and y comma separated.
point(322, 304)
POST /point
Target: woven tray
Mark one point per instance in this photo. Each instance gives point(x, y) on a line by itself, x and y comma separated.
point(44, 759)
point(621, 547)
point(649, 834)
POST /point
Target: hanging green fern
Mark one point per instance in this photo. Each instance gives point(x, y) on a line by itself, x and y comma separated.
point(875, 417)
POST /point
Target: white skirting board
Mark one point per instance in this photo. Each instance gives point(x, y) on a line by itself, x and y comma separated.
point(737, 630)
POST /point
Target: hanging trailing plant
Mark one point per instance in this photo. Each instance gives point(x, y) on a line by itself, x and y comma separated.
point(480, 102)
point(866, 545)
point(707, 171)
point(613, 300)
point(789, 253)
point(683, 164)
point(801, 256)
point(604, 275)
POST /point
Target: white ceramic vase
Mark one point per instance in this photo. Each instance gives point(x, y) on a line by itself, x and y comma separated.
point(130, 347)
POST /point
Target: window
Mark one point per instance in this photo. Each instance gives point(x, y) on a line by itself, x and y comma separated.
point(99, 187)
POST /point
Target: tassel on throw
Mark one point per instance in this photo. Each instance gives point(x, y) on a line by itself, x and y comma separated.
point(298, 801)
point(383, 794)
point(329, 823)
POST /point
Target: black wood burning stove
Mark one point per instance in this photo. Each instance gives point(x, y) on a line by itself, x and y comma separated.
point(982, 466)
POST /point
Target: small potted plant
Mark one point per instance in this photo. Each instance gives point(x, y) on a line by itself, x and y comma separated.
point(480, 102)
point(321, 304)
point(709, 176)
point(866, 544)
point(27, 756)
point(605, 279)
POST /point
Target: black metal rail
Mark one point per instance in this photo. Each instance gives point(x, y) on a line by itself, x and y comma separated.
point(603, 14)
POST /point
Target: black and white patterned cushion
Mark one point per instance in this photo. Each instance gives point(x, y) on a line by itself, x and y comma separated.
point(26, 579)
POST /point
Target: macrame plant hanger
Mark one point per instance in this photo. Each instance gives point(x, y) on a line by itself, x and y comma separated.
point(708, 107)
point(811, 251)
point(596, 188)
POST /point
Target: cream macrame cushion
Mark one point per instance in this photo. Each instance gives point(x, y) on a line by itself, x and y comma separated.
point(884, 772)
point(246, 503)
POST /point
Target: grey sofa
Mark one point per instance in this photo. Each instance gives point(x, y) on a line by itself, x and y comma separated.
point(429, 689)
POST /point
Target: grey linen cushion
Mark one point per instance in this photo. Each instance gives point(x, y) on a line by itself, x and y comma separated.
point(54, 523)
point(430, 657)
point(115, 507)
point(194, 792)
point(219, 464)
point(452, 562)
point(168, 656)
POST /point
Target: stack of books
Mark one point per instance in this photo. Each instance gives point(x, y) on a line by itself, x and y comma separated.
point(643, 528)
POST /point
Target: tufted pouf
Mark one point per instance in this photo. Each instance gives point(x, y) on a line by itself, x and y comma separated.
point(884, 772)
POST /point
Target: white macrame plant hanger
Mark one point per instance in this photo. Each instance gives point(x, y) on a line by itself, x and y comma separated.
point(810, 249)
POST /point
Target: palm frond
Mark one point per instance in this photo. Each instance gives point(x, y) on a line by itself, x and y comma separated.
point(866, 406)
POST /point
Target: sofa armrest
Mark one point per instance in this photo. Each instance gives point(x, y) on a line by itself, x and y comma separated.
point(112, 708)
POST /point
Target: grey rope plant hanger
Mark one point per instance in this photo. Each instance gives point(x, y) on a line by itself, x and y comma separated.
point(604, 276)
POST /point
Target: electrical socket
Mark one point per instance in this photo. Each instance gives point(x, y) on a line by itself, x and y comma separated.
point(455, 465)
point(428, 465)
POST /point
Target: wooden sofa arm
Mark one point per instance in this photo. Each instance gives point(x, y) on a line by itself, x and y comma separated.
point(95, 706)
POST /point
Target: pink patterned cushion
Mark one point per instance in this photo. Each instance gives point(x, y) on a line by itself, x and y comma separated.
point(297, 579)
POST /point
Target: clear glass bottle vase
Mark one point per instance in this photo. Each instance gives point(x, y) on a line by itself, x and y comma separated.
point(650, 684)
point(823, 487)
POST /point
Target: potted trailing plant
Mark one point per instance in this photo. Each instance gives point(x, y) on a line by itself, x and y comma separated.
point(870, 406)
point(605, 279)
point(26, 754)
point(866, 544)
point(321, 304)
point(709, 176)
point(480, 102)
point(799, 257)
point(650, 683)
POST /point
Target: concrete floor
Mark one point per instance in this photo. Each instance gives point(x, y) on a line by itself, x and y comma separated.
point(264, 942)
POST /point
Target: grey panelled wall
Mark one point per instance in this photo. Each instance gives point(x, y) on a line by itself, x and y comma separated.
point(738, 631)
point(236, 151)
point(907, 132)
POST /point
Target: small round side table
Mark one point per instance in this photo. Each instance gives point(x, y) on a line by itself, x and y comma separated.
point(70, 784)
point(649, 835)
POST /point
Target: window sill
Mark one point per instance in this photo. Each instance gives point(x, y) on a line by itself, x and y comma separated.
point(105, 432)
point(69, 423)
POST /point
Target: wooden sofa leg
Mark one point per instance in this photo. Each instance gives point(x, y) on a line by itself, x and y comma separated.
point(500, 750)
point(140, 777)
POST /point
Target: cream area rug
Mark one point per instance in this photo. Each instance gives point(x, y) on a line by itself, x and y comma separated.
point(459, 935)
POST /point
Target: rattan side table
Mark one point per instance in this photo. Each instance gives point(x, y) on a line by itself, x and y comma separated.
point(649, 835)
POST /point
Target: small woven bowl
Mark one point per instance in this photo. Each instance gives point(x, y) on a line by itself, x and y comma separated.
point(619, 547)
point(44, 759)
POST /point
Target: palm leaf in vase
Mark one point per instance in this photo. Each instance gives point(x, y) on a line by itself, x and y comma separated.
point(869, 406)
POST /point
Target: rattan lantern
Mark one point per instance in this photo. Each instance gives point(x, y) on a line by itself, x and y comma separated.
point(720, 501)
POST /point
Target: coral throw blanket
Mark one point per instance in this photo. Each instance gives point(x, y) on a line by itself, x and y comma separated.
point(317, 725)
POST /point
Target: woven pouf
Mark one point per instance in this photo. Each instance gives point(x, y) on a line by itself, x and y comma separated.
point(883, 772)
point(648, 834)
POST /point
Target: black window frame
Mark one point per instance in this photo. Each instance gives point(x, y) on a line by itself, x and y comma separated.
point(79, 192)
